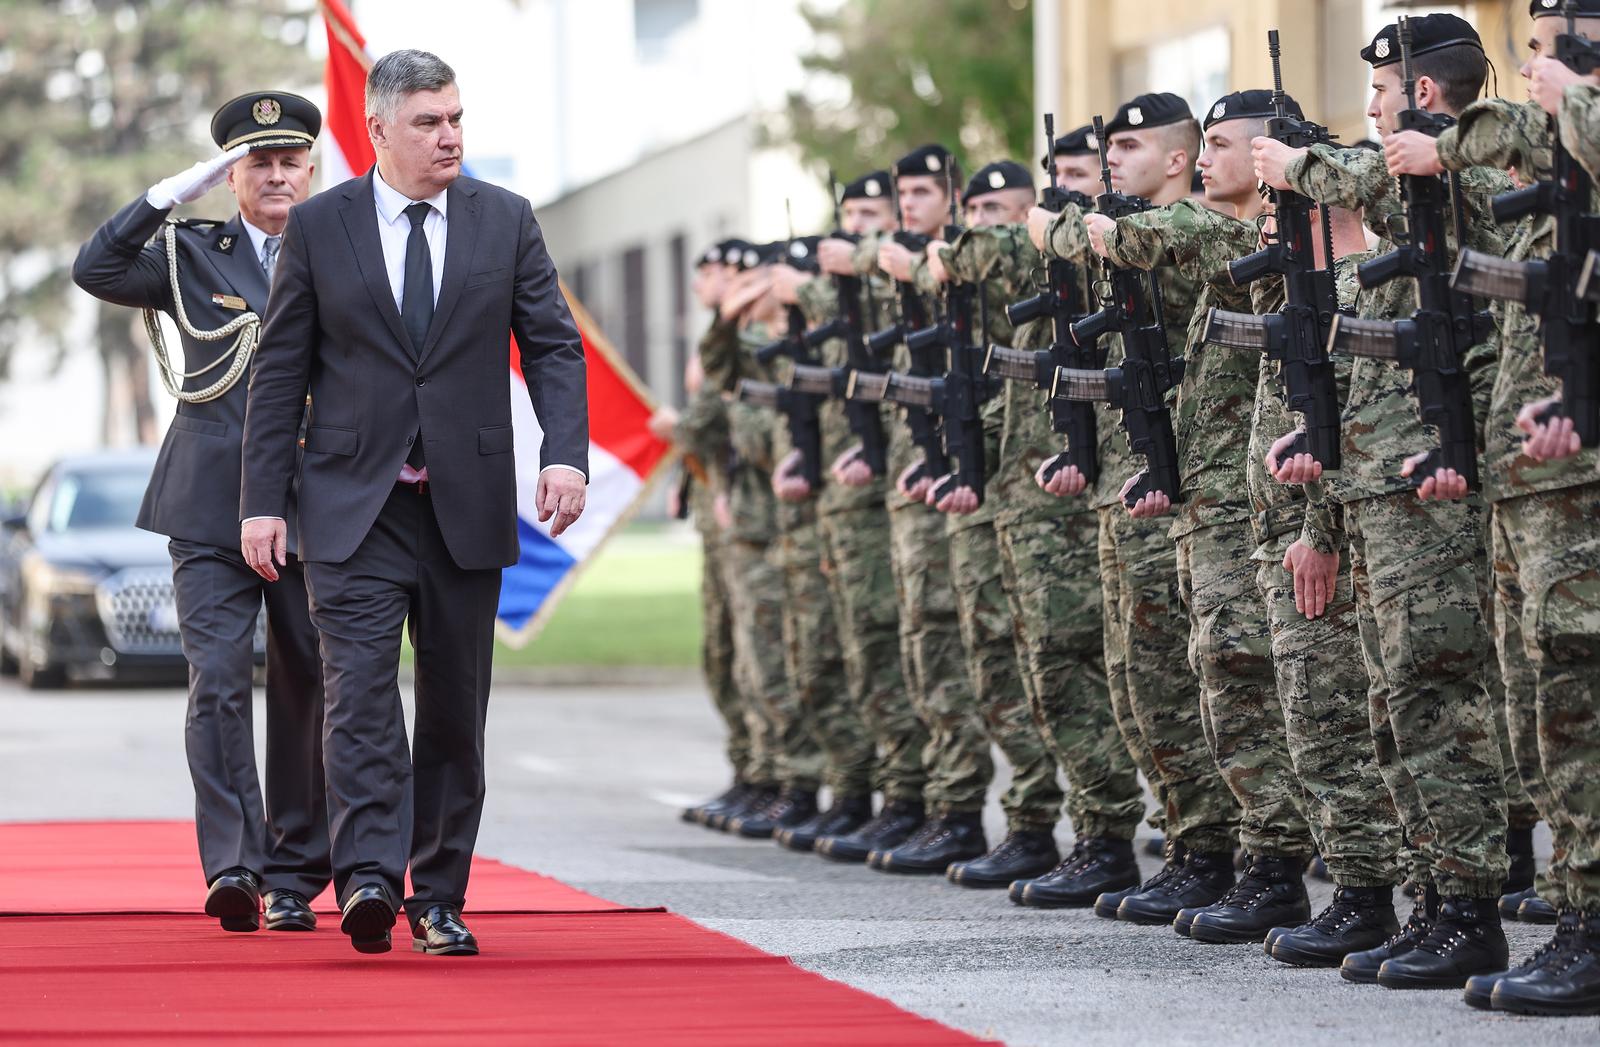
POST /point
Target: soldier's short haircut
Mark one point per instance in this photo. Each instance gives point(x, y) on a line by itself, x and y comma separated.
point(401, 73)
point(1185, 135)
point(1458, 71)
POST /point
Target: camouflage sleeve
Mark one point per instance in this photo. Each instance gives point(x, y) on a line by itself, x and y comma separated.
point(1065, 236)
point(719, 355)
point(1579, 125)
point(1323, 529)
point(819, 300)
point(997, 254)
point(865, 258)
point(1185, 233)
point(1496, 132)
point(922, 277)
point(1354, 179)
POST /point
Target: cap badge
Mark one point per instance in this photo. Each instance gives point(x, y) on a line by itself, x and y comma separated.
point(225, 243)
point(1218, 109)
point(1381, 49)
point(1136, 116)
point(266, 111)
point(799, 249)
point(750, 259)
point(934, 163)
point(872, 188)
point(997, 180)
point(1549, 3)
point(714, 254)
point(1091, 141)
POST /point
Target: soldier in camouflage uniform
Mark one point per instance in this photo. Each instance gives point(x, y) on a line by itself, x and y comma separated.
point(1415, 566)
point(1230, 632)
point(1139, 570)
point(1544, 517)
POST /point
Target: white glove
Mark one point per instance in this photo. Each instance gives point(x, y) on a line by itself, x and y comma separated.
point(189, 186)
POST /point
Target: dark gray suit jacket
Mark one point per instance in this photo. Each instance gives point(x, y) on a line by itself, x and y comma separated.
point(194, 490)
point(333, 330)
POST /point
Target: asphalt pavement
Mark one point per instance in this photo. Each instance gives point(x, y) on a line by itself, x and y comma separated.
point(585, 784)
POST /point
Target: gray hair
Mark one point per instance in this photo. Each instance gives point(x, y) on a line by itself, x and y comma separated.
point(400, 73)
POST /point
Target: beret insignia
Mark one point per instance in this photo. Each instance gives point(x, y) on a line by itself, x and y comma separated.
point(1136, 116)
point(872, 188)
point(1381, 48)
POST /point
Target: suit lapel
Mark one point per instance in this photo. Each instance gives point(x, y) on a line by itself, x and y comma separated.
point(240, 267)
point(360, 216)
point(460, 237)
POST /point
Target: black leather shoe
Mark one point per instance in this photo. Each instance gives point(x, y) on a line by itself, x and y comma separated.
point(440, 932)
point(1020, 855)
point(368, 915)
point(1535, 909)
point(235, 899)
point(697, 814)
point(1363, 966)
point(289, 911)
point(1097, 866)
point(1271, 893)
point(1465, 940)
point(944, 840)
point(755, 798)
point(1479, 991)
point(892, 827)
point(1204, 878)
point(1519, 849)
point(1359, 918)
point(792, 807)
point(1566, 983)
point(1108, 905)
point(845, 815)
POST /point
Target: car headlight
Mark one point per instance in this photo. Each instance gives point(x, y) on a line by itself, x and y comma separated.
point(47, 579)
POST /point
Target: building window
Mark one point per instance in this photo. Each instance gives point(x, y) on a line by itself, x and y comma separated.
point(1194, 65)
point(582, 285)
point(657, 22)
point(680, 317)
point(635, 347)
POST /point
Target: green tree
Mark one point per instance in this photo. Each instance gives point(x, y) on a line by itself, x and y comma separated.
point(98, 100)
point(889, 75)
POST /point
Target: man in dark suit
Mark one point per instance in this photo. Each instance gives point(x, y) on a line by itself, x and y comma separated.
point(392, 302)
point(222, 274)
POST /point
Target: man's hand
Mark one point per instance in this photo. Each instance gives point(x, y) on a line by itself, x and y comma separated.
point(1038, 221)
point(1296, 469)
point(1272, 159)
point(1412, 153)
point(264, 542)
point(1445, 485)
point(836, 256)
point(936, 263)
point(1315, 577)
point(746, 290)
point(663, 423)
point(1548, 80)
point(188, 186)
point(787, 483)
point(560, 494)
point(786, 281)
point(1099, 227)
point(1068, 481)
point(1150, 505)
point(961, 501)
point(1547, 441)
point(895, 260)
point(850, 469)
point(914, 483)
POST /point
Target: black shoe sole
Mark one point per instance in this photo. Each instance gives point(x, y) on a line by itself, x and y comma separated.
point(746, 833)
point(961, 877)
point(1576, 1010)
point(801, 844)
point(368, 923)
point(421, 945)
point(1392, 982)
point(1144, 919)
point(1035, 900)
point(1107, 911)
point(235, 908)
point(888, 865)
point(1295, 958)
point(307, 922)
point(1202, 931)
point(1478, 1001)
point(1536, 918)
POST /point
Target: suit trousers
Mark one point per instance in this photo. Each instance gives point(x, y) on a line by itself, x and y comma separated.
point(285, 839)
point(390, 804)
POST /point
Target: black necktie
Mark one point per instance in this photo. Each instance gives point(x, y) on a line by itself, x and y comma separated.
point(416, 300)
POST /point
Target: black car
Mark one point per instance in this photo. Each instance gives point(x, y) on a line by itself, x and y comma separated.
point(84, 594)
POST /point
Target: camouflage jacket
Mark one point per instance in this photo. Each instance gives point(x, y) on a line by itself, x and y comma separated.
point(819, 300)
point(750, 435)
point(1505, 135)
point(1579, 126)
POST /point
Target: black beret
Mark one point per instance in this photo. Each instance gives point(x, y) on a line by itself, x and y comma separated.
point(1546, 8)
point(1149, 110)
point(729, 252)
point(267, 120)
point(800, 253)
point(1003, 174)
point(1079, 142)
point(924, 160)
point(1429, 33)
point(873, 185)
point(1254, 104)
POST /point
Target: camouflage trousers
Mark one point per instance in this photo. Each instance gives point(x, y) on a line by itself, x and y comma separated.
point(1548, 544)
point(954, 748)
point(885, 738)
point(1322, 683)
point(1163, 694)
point(814, 664)
point(1114, 653)
point(753, 575)
point(1230, 648)
point(1052, 579)
point(1413, 568)
point(716, 662)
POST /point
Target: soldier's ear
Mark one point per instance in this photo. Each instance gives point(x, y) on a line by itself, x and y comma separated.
point(1427, 91)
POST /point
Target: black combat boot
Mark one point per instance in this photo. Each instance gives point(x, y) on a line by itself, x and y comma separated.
point(1535, 909)
point(1317, 869)
point(1271, 893)
point(1022, 854)
point(1363, 966)
point(1107, 905)
point(1510, 903)
point(1204, 878)
point(1156, 846)
point(892, 826)
point(1479, 991)
point(1359, 918)
point(793, 806)
point(1098, 865)
point(1567, 982)
point(845, 815)
point(756, 797)
point(1519, 848)
point(946, 839)
point(1465, 940)
point(696, 815)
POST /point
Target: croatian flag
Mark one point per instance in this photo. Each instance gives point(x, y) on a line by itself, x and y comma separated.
point(624, 457)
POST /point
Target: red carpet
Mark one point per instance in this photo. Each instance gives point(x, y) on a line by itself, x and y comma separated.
point(580, 971)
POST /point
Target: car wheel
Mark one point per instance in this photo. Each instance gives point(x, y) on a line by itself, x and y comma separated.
point(37, 677)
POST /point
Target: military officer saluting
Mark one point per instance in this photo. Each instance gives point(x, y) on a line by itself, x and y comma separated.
point(212, 279)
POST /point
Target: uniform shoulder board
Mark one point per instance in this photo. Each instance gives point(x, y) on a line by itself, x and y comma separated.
point(201, 224)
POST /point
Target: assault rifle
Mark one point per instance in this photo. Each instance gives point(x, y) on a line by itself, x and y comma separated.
point(1561, 289)
point(798, 407)
point(1061, 298)
point(1139, 386)
point(1296, 337)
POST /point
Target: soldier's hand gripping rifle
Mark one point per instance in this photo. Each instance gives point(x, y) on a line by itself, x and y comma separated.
point(798, 406)
point(1432, 344)
point(1296, 337)
point(1130, 305)
point(1059, 297)
point(1555, 289)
